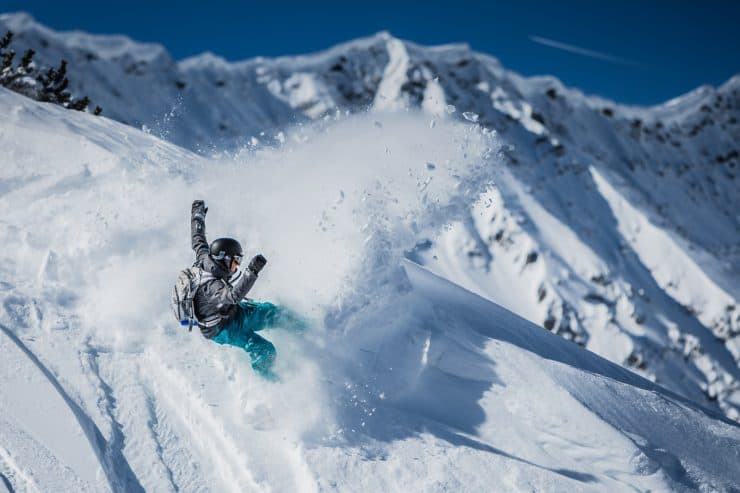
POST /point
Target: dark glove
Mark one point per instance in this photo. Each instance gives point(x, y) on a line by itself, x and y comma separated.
point(256, 264)
point(199, 209)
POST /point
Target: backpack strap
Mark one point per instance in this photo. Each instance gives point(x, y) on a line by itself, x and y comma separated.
point(191, 317)
point(202, 276)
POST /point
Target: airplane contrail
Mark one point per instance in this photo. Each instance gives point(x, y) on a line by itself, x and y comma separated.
point(583, 51)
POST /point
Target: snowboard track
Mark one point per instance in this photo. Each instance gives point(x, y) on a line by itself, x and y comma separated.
point(117, 470)
point(234, 468)
point(153, 422)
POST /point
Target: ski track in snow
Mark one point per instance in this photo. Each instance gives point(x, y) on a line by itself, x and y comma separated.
point(112, 461)
point(230, 465)
point(13, 474)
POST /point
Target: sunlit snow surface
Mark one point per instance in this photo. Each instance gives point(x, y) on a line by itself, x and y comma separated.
point(404, 382)
point(612, 226)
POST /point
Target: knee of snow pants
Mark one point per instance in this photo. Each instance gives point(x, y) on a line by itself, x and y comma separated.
point(241, 332)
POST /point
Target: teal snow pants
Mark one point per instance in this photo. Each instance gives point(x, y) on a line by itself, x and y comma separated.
point(241, 331)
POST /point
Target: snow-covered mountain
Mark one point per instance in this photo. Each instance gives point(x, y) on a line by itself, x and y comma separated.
point(404, 381)
point(613, 226)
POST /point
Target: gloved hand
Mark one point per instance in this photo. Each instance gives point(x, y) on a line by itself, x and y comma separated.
point(199, 209)
point(257, 263)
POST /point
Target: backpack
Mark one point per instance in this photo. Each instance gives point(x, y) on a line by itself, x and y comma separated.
point(183, 295)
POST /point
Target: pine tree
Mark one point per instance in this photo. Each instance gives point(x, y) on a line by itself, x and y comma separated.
point(7, 61)
point(16, 78)
point(5, 42)
point(6, 55)
point(54, 85)
point(19, 79)
point(27, 60)
point(50, 85)
point(79, 104)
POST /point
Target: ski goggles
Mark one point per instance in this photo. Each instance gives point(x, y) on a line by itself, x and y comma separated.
point(228, 258)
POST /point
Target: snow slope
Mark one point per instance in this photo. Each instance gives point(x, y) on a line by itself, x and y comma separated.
point(404, 382)
point(613, 226)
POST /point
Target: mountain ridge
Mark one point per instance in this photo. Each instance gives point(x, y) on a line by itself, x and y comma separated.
point(116, 47)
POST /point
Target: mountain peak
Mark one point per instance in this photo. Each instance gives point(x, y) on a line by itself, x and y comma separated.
point(19, 19)
point(207, 59)
point(105, 46)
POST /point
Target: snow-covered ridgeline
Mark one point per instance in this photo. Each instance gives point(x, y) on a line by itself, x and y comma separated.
point(404, 382)
point(675, 164)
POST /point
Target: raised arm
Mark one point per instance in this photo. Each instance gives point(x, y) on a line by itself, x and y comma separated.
point(198, 229)
point(231, 294)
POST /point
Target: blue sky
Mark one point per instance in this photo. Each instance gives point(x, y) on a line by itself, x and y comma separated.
point(632, 52)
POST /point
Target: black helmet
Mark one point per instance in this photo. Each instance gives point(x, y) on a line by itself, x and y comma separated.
point(225, 249)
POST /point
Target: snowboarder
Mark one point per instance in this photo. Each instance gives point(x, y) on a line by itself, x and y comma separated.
point(223, 315)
